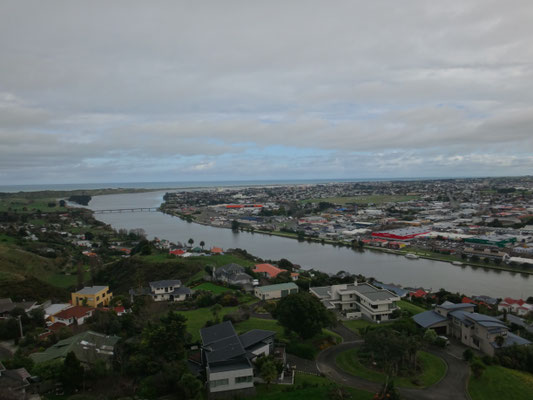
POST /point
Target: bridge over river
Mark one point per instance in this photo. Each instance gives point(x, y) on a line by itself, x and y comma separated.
point(122, 210)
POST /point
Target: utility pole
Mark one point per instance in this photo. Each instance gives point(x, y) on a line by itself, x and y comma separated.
point(20, 326)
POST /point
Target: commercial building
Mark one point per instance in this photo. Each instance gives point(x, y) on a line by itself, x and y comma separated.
point(479, 331)
point(402, 234)
point(492, 240)
point(227, 357)
point(278, 291)
point(358, 300)
point(92, 296)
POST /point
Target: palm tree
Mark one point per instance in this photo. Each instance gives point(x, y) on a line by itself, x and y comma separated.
point(191, 241)
point(202, 244)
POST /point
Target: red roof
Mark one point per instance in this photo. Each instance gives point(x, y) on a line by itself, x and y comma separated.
point(56, 326)
point(268, 269)
point(177, 252)
point(74, 312)
point(509, 300)
point(419, 293)
point(216, 250)
point(467, 300)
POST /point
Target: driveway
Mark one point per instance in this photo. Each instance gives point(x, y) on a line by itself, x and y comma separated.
point(452, 386)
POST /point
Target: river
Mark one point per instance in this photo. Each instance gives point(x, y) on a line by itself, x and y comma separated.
point(388, 268)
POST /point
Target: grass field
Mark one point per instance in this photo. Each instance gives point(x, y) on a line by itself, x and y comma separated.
point(501, 383)
point(196, 319)
point(210, 287)
point(357, 325)
point(306, 387)
point(23, 205)
point(375, 199)
point(412, 308)
point(433, 369)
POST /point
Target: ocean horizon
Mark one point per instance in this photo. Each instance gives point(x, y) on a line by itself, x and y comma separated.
point(196, 184)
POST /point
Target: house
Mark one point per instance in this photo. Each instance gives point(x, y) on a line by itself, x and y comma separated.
point(358, 300)
point(169, 290)
point(270, 271)
point(232, 274)
point(6, 306)
point(14, 381)
point(53, 309)
point(227, 357)
point(177, 252)
point(519, 307)
point(88, 346)
point(479, 331)
point(278, 291)
point(92, 296)
point(73, 315)
point(217, 250)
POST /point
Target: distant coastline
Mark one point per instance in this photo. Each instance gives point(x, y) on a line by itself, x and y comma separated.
point(201, 184)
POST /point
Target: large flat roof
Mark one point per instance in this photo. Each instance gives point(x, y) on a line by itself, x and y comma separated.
point(91, 289)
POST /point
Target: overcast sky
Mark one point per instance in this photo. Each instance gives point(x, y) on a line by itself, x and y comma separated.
point(114, 91)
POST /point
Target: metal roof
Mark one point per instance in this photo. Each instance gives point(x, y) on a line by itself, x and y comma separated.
point(91, 289)
point(255, 336)
point(428, 318)
point(279, 286)
point(165, 283)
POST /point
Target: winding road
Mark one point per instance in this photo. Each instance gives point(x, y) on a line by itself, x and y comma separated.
point(452, 386)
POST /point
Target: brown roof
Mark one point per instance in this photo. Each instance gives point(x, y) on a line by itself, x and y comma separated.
point(74, 312)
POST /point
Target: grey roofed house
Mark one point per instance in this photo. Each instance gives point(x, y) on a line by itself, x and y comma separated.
point(479, 331)
point(429, 318)
point(15, 380)
point(6, 306)
point(227, 356)
point(233, 274)
point(165, 283)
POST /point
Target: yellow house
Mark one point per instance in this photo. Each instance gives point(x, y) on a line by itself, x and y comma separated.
point(92, 296)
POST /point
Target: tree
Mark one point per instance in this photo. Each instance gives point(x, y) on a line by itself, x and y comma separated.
point(477, 369)
point(71, 373)
point(202, 244)
point(468, 355)
point(192, 387)
point(304, 314)
point(191, 242)
point(269, 372)
point(235, 225)
point(215, 310)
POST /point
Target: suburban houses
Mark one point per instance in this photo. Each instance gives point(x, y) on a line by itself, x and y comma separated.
point(232, 274)
point(169, 290)
point(358, 300)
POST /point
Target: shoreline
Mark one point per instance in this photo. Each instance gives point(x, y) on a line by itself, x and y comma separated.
point(365, 247)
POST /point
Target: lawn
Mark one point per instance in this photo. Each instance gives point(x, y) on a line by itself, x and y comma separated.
point(433, 367)
point(375, 199)
point(196, 319)
point(23, 205)
point(501, 383)
point(357, 325)
point(210, 287)
point(306, 387)
point(410, 307)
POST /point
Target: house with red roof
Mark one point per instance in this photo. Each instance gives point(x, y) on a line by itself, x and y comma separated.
point(75, 314)
point(268, 270)
point(419, 293)
point(176, 252)
point(217, 250)
point(517, 306)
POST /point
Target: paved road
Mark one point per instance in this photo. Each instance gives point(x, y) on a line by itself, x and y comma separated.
point(452, 386)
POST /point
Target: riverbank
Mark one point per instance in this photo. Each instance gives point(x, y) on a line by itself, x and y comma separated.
point(420, 253)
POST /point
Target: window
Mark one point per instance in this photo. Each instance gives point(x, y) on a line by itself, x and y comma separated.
point(219, 382)
point(97, 298)
point(243, 379)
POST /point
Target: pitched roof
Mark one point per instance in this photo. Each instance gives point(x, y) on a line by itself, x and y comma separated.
point(447, 305)
point(429, 318)
point(269, 269)
point(88, 347)
point(74, 312)
point(279, 286)
point(165, 283)
point(251, 338)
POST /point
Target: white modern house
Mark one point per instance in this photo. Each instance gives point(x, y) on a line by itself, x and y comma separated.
point(356, 300)
point(169, 290)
